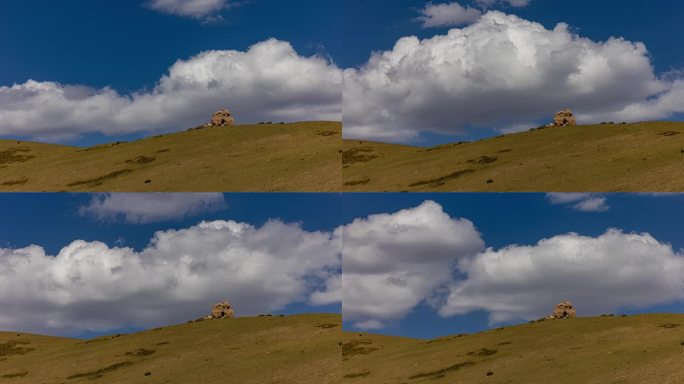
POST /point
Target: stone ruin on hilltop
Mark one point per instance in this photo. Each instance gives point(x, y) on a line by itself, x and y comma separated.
point(222, 310)
point(221, 118)
point(564, 118)
point(564, 310)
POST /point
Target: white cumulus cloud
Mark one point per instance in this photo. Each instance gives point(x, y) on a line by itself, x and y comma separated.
point(332, 293)
point(370, 325)
point(141, 208)
point(393, 262)
point(447, 15)
point(583, 202)
point(268, 82)
point(177, 277)
point(598, 274)
point(501, 71)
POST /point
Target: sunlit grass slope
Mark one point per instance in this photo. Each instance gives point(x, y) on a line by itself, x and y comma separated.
point(637, 349)
point(301, 157)
point(644, 157)
point(296, 349)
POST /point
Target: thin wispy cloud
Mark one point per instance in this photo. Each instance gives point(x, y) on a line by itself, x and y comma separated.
point(205, 10)
point(447, 15)
point(141, 208)
point(512, 3)
point(583, 202)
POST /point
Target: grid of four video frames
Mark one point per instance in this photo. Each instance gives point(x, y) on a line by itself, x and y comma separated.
point(341, 191)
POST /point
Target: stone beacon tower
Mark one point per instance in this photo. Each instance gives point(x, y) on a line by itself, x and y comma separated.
point(564, 310)
point(222, 118)
point(222, 310)
point(564, 118)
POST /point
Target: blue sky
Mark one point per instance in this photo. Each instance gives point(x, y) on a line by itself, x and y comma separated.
point(82, 246)
point(52, 220)
point(88, 44)
point(101, 71)
point(498, 215)
point(128, 46)
point(483, 89)
point(524, 219)
point(289, 240)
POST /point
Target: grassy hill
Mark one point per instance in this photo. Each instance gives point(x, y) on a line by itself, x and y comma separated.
point(636, 349)
point(296, 349)
point(596, 158)
point(302, 157)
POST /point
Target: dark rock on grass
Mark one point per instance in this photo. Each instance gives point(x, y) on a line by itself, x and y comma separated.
point(99, 180)
point(15, 155)
point(357, 375)
point(328, 326)
point(669, 326)
point(483, 160)
point(357, 155)
point(142, 352)
point(442, 180)
point(483, 352)
point(92, 375)
point(15, 347)
point(358, 347)
point(14, 375)
point(438, 374)
point(15, 182)
point(363, 181)
point(669, 133)
point(140, 160)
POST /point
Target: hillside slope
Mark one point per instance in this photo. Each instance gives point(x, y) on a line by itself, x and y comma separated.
point(301, 157)
point(295, 349)
point(598, 158)
point(636, 349)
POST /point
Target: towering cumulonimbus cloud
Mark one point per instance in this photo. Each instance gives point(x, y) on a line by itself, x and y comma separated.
point(269, 81)
point(502, 71)
point(393, 262)
point(599, 274)
point(90, 286)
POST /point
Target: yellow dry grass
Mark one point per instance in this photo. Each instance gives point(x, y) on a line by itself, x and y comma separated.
point(298, 157)
point(644, 157)
point(295, 349)
point(646, 349)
